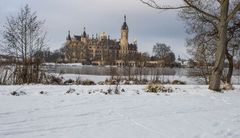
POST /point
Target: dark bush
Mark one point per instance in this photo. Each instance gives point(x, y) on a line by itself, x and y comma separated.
point(71, 90)
point(56, 80)
point(14, 93)
point(42, 92)
point(88, 82)
point(178, 82)
point(68, 82)
point(110, 82)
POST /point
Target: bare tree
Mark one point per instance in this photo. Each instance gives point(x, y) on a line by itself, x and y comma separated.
point(225, 11)
point(127, 67)
point(232, 45)
point(140, 62)
point(23, 38)
point(163, 52)
point(202, 52)
point(203, 44)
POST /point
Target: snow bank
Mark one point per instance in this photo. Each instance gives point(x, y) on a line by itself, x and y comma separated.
point(190, 111)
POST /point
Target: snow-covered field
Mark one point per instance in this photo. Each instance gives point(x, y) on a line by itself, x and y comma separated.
point(191, 111)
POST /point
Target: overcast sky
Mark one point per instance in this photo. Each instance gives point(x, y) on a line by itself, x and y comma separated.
point(146, 25)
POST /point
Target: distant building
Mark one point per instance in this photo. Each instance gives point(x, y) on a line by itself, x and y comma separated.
point(99, 49)
point(186, 63)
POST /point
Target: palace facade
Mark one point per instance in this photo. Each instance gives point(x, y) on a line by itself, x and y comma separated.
point(100, 49)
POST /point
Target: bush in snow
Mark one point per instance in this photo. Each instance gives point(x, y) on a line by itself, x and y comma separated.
point(14, 93)
point(71, 90)
point(155, 88)
point(178, 82)
point(114, 81)
point(88, 82)
point(101, 83)
point(117, 91)
point(110, 82)
point(109, 91)
point(84, 82)
point(69, 82)
point(126, 82)
point(42, 92)
point(78, 81)
point(113, 91)
point(56, 80)
point(143, 81)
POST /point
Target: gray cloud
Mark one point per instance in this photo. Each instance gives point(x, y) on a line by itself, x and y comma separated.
point(146, 25)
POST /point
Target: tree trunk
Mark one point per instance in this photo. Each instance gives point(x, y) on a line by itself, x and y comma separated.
point(230, 67)
point(221, 48)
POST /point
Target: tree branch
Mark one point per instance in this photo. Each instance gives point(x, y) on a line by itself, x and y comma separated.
point(211, 21)
point(153, 4)
point(234, 12)
point(201, 11)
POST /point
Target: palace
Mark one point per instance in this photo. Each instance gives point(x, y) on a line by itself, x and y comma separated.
point(100, 49)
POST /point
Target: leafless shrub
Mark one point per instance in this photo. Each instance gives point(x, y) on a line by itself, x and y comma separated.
point(110, 81)
point(178, 82)
point(24, 40)
point(69, 82)
point(15, 93)
point(88, 82)
point(55, 80)
point(71, 90)
point(155, 88)
point(43, 92)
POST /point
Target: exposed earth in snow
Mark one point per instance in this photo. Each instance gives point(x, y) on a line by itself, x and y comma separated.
point(191, 111)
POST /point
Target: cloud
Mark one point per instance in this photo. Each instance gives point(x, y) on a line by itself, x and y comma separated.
point(146, 24)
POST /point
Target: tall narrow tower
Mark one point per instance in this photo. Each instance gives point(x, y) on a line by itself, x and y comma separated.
point(68, 38)
point(84, 36)
point(124, 37)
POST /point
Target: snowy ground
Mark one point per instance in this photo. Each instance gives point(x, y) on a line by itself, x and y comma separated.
point(191, 111)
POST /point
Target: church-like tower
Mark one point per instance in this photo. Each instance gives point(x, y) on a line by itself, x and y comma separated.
point(124, 37)
point(68, 38)
point(84, 36)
